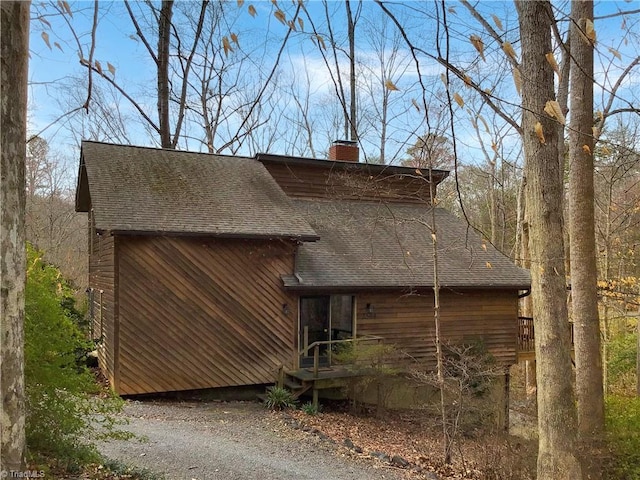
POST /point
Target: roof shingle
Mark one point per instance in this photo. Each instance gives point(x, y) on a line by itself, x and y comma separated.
point(147, 190)
point(365, 244)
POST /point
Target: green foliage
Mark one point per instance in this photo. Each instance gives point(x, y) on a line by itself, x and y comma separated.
point(64, 412)
point(310, 409)
point(622, 361)
point(126, 471)
point(623, 429)
point(377, 365)
point(279, 398)
point(470, 367)
point(377, 358)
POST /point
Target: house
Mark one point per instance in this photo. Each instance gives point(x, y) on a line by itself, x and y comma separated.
point(214, 271)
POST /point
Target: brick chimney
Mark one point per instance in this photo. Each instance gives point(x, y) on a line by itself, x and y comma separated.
point(344, 151)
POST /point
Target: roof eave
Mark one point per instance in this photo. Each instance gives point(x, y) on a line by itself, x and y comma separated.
point(340, 287)
point(173, 233)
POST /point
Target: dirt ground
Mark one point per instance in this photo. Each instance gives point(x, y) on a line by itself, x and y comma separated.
point(243, 440)
point(234, 440)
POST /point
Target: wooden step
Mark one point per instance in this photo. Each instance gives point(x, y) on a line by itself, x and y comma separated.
point(292, 384)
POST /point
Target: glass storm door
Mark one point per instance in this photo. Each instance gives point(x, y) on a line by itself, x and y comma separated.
point(314, 327)
point(324, 318)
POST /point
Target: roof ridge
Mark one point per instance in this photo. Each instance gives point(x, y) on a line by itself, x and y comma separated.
point(171, 150)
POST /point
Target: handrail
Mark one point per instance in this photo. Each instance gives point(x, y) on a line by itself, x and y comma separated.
point(331, 342)
point(316, 348)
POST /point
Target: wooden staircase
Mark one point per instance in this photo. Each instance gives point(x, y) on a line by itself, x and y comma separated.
point(296, 385)
point(317, 378)
point(301, 381)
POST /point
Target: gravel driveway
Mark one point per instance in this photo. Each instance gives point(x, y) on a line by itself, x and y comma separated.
point(237, 440)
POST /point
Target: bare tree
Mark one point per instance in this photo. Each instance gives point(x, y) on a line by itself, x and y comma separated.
point(13, 96)
point(582, 242)
point(556, 410)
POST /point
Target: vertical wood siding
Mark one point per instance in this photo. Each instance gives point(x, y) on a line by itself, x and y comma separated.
point(102, 278)
point(202, 313)
point(407, 321)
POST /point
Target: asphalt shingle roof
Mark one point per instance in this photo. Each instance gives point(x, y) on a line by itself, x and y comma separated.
point(146, 190)
point(365, 244)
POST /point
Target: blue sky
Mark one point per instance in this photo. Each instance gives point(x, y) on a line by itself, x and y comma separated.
point(301, 70)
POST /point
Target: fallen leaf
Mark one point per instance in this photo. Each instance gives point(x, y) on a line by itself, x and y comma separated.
point(539, 133)
point(226, 46)
point(45, 21)
point(517, 80)
point(552, 108)
point(615, 53)
point(45, 37)
point(279, 14)
point(554, 64)
point(508, 49)
point(497, 21)
point(478, 44)
point(484, 122)
point(389, 85)
point(590, 31)
point(489, 265)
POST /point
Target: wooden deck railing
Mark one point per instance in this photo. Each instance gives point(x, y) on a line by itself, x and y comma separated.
point(526, 334)
point(316, 348)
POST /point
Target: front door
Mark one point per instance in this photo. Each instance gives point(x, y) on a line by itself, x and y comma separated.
point(314, 327)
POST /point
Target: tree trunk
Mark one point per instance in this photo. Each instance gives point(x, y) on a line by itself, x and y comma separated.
point(582, 236)
point(164, 38)
point(556, 409)
point(352, 73)
point(15, 55)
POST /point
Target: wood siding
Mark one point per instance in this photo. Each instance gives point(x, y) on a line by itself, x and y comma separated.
point(303, 181)
point(199, 313)
point(102, 279)
point(407, 321)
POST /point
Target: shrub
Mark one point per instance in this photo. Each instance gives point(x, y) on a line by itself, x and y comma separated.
point(623, 430)
point(377, 364)
point(64, 413)
point(310, 409)
point(279, 398)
